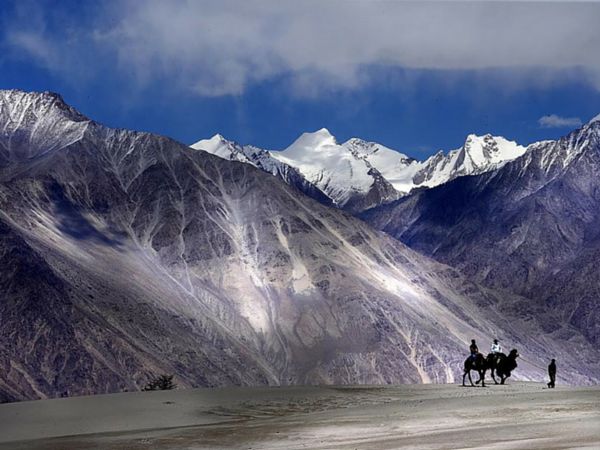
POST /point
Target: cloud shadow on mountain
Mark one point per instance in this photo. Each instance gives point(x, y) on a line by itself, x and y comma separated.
point(73, 223)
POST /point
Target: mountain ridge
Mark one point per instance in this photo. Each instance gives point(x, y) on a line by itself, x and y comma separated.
point(132, 254)
point(538, 216)
point(358, 175)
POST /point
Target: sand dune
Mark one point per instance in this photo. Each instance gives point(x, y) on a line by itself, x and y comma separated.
point(519, 415)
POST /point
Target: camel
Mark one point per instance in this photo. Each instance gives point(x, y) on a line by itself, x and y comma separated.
point(498, 364)
point(480, 364)
point(502, 365)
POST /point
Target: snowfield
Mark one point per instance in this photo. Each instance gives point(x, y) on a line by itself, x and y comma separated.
point(514, 416)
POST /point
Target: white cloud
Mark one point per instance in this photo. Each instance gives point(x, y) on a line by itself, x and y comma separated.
point(37, 47)
point(220, 47)
point(554, 121)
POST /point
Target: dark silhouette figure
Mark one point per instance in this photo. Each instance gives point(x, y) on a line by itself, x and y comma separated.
point(473, 349)
point(492, 360)
point(503, 365)
point(552, 373)
point(477, 362)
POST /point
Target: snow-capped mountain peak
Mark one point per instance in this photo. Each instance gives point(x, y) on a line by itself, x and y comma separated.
point(369, 149)
point(487, 150)
point(223, 148)
point(397, 168)
point(478, 154)
point(341, 172)
point(261, 159)
point(359, 174)
point(310, 142)
point(213, 142)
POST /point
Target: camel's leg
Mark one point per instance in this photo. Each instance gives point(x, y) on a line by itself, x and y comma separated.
point(470, 379)
point(494, 377)
point(502, 378)
point(482, 378)
point(464, 375)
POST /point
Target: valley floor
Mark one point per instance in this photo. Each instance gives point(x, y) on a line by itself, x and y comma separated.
point(515, 416)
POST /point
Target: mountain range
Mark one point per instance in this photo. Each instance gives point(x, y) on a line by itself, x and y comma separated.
point(124, 255)
point(528, 228)
point(358, 175)
point(514, 218)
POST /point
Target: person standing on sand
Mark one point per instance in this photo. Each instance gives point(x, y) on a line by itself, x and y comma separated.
point(552, 373)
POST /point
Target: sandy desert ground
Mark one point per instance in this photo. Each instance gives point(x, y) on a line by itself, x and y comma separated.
point(515, 416)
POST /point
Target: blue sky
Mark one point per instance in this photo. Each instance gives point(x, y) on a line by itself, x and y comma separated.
point(415, 77)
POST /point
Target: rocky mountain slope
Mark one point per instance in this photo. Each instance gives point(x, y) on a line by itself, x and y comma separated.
point(357, 175)
point(125, 255)
point(529, 228)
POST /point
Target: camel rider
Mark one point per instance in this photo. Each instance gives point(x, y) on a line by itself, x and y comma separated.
point(496, 347)
point(473, 349)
